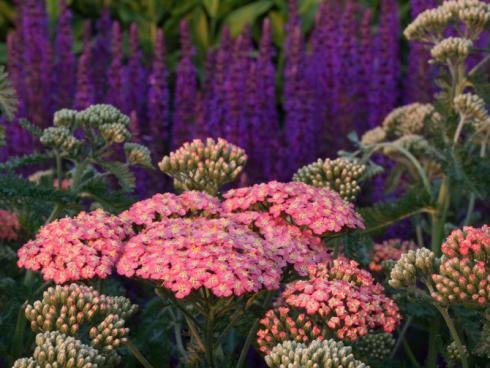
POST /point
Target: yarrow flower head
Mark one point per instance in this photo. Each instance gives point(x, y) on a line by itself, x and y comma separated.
point(10, 225)
point(59, 138)
point(471, 106)
point(411, 266)
point(428, 26)
point(183, 255)
point(319, 353)
point(339, 299)
point(54, 349)
point(391, 249)
point(341, 175)
point(408, 119)
point(453, 353)
point(373, 136)
point(204, 166)
point(319, 210)
point(474, 14)
point(452, 50)
point(137, 154)
point(161, 206)
point(464, 274)
point(77, 248)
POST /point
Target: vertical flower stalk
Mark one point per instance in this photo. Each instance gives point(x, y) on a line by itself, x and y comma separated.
point(85, 93)
point(115, 94)
point(102, 53)
point(136, 75)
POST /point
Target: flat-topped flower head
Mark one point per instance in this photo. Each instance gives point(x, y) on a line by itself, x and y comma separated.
point(411, 266)
point(341, 175)
point(391, 249)
point(78, 248)
point(320, 210)
point(471, 106)
point(59, 138)
point(160, 206)
point(9, 225)
point(472, 243)
point(183, 255)
point(373, 136)
point(204, 166)
point(474, 14)
point(319, 353)
point(339, 299)
point(429, 26)
point(408, 119)
point(54, 349)
point(287, 243)
point(374, 347)
point(137, 154)
point(452, 50)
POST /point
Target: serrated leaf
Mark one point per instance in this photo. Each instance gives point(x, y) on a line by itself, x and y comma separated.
point(20, 161)
point(122, 173)
point(388, 213)
point(247, 14)
point(8, 98)
point(31, 128)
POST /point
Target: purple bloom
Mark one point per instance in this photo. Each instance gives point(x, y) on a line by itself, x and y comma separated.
point(102, 53)
point(158, 98)
point(136, 75)
point(115, 92)
point(85, 94)
point(185, 90)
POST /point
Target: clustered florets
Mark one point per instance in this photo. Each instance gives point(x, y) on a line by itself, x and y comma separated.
point(464, 274)
point(471, 107)
point(74, 310)
point(454, 354)
point(339, 299)
point(186, 254)
point(137, 154)
point(391, 249)
point(341, 175)
point(9, 225)
point(319, 210)
point(59, 138)
point(410, 266)
point(326, 353)
point(204, 166)
point(54, 349)
point(452, 50)
point(408, 119)
point(374, 346)
point(77, 248)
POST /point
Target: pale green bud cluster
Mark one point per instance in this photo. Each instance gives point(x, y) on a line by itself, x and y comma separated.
point(452, 50)
point(410, 266)
point(428, 25)
point(70, 307)
point(99, 115)
point(471, 106)
point(474, 14)
point(408, 119)
point(114, 133)
point(341, 175)
point(204, 166)
point(137, 154)
point(59, 138)
point(318, 354)
point(454, 354)
point(373, 136)
point(375, 346)
point(56, 350)
point(65, 118)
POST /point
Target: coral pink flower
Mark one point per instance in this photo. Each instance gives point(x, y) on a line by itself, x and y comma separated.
point(71, 249)
point(472, 243)
point(338, 298)
point(391, 249)
point(319, 210)
point(9, 225)
point(221, 255)
point(160, 206)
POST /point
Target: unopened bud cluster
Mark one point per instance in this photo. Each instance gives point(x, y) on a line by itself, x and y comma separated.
point(454, 354)
point(429, 25)
point(452, 50)
point(471, 106)
point(410, 266)
point(68, 308)
point(56, 350)
point(408, 119)
point(137, 154)
point(474, 14)
point(373, 136)
point(204, 166)
point(59, 138)
point(341, 175)
point(327, 353)
point(376, 346)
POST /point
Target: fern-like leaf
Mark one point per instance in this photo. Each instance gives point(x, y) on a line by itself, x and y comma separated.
point(20, 161)
point(122, 173)
point(16, 188)
point(31, 128)
point(8, 98)
point(388, 213)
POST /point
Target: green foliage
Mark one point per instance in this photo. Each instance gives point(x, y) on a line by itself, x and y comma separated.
point(32, 129)
point(8, 98)
point(17, 162)
point(123, 174)
point(381, 215)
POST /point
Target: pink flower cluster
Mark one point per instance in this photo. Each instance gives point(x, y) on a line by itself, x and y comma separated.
point(186, 254)
point(391, 249)
point(464, 274)
point(188, 204)
point(281, 324)
point(319, 210)
point(9, 225)
point(289, 244)
point(77, 248)
point(341, 298)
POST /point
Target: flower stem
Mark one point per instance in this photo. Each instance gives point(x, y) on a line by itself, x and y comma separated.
point(454, 335)
point(401, 337)
point(137, 354)
point(209, 339)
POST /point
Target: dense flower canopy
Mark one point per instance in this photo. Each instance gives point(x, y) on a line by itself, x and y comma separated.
point(337, 297)
point(9, 225)
point(317, 209)
point(391, 249)
point(71, 249)
point(186, 254)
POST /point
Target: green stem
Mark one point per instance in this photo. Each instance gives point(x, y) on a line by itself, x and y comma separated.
point(431, 361)
point(410, 355)
point(137, 354)
point(469, 211)
point(454, 335)
point(439, 218)
point(59, 170)
point(18, 337)
point(401, 337)
point(209, 339)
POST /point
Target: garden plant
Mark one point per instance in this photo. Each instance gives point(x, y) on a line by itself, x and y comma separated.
point(201, 218)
